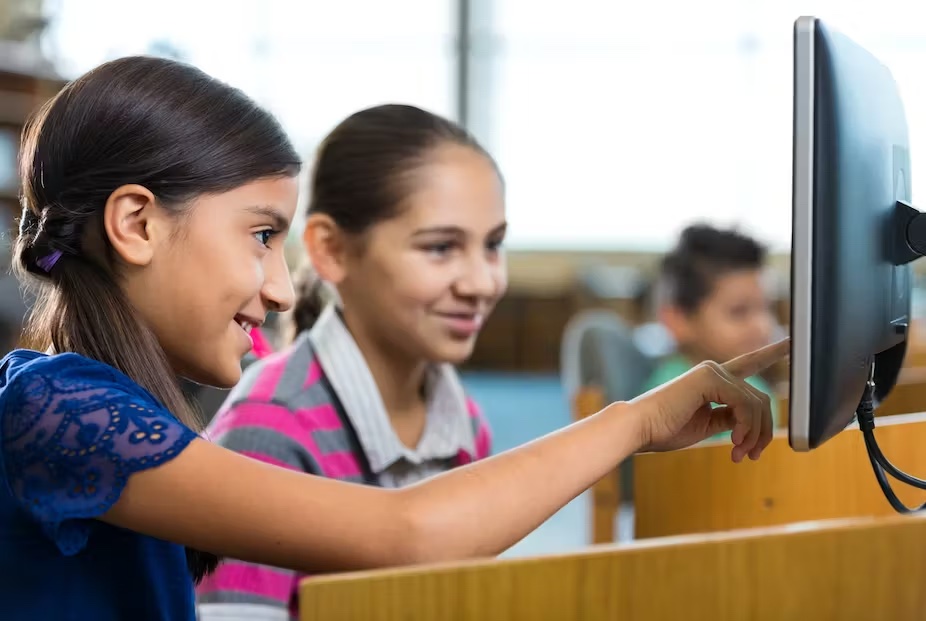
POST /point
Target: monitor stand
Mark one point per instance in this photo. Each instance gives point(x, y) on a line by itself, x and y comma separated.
point(908, 243)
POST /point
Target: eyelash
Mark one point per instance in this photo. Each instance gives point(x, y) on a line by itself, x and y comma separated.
point(443, 248)
point(270, 233)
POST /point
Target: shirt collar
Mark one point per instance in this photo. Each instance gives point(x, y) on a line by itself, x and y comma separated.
point(447, 429)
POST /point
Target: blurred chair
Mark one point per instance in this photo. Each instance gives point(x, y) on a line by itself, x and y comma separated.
point(601, 355)
point(600, 349)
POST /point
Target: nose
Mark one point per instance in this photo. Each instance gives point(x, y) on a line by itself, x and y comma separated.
point(483, 277)
point(277, 292)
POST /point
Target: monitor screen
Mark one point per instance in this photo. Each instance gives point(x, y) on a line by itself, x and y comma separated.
point(851, 281)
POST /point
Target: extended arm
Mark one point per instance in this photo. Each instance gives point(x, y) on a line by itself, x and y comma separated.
point(216, 500)
point(210, 498)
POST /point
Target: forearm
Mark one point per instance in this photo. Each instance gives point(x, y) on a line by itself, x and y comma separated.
point(212, 499)
point(486, 507)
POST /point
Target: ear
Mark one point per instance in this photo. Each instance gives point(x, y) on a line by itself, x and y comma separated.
point(134, 224)
point(326, 246)
point(677, 322)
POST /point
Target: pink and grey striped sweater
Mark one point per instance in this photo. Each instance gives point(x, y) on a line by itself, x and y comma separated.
point(314, 408)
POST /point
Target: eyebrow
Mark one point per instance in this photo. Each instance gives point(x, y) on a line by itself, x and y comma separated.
point(280, 222)
point(455, 230)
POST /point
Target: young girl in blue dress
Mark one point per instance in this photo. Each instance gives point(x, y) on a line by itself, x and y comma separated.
point(155, 204)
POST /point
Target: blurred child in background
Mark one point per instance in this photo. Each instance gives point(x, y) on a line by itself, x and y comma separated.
point(713, 302)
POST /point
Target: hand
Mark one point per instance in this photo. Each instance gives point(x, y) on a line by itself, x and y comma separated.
point(679, 413)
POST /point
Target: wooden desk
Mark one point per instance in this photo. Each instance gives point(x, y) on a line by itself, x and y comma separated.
point(700, 490)
point(852, 569)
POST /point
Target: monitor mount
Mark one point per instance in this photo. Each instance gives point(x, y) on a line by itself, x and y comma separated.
point(908, 243)
point(909, 233)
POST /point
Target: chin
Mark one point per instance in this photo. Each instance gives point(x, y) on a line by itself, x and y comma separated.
point(227, 379)
point(217, 376)
point(455, 353)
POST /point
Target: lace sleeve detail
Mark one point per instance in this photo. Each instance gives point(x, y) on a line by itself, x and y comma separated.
point(69, 447)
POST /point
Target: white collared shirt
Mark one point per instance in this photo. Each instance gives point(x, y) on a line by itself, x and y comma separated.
point(448, 428)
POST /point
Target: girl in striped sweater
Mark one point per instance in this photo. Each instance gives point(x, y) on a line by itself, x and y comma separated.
point(406, 221)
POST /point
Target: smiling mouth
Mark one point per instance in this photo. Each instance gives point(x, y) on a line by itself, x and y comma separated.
point(245, 324)
point(463, 322)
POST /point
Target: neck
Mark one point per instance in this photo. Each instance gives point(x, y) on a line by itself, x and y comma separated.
point(400, 379)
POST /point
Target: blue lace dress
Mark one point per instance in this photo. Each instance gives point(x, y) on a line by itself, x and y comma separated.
point(72, 431)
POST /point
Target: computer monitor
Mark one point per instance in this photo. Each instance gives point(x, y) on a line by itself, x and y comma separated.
point(854, 233)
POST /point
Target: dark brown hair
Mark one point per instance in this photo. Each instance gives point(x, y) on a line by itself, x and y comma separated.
point(702, 255)
point(364, 170)
point(158, 123)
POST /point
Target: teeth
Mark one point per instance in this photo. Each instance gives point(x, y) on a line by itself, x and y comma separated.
point(245, 326)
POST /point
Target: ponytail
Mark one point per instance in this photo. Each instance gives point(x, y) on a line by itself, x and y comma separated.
point(312, 295)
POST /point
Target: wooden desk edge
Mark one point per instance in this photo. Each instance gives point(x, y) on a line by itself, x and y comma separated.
point(800, 529)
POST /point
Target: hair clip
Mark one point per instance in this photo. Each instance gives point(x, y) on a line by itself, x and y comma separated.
point(47, 262)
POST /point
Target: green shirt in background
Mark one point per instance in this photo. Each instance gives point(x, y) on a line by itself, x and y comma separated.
point(677, 365)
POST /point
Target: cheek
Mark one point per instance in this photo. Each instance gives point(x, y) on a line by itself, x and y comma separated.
point(501, 279)
point(413, 281)
point(748, 332)
point(721, 331)
point(257, 275)
point(424, 287)
point(183, 283)
point(238, 276)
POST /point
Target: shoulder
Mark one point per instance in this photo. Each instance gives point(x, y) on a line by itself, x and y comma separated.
point(47, 397)
point(482, 432)
point(34, 377)
point(446, 379)
point(42, 396)
point(72, 431)
point(31, 363)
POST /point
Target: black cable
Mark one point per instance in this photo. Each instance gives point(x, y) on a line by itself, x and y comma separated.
point(885, 486)
point(880, 463)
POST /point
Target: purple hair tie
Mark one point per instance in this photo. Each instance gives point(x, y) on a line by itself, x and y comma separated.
point(47, 262)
